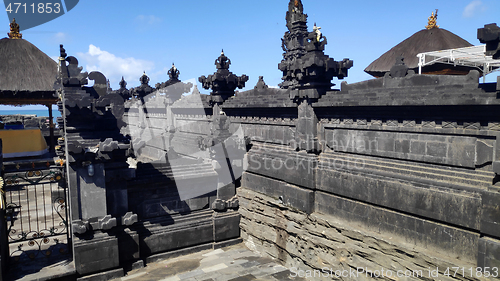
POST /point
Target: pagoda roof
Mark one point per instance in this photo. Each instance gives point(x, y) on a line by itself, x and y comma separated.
point(426, 40)
point(27, 75)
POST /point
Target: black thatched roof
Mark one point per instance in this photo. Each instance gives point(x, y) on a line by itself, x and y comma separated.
point(24, 68)
point(426, 40)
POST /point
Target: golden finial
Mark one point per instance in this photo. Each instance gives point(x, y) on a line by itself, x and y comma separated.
point(432, 21)
point(317, 31)
point(14, 30)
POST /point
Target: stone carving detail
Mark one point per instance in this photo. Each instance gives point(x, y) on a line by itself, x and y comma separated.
point(261, 85)
point(173, 88)
point(490, 35)
point(107, 222)
point(94, 109)
point(399, 69)
point(411, 124)
point(494, 126)
point(123, 91)
point(221, 205)
point(449, 124)
point(429, 124)
point(14, 30)
point(223, 82)
point(129, 219)
point(80, 227)
point(144, 89)
point(233, 203)
point(305, 67)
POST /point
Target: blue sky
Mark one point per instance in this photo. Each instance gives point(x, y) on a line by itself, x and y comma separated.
point(129, 37)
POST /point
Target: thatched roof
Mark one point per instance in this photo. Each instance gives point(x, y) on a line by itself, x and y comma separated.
point(426, 40)
point(23, 67)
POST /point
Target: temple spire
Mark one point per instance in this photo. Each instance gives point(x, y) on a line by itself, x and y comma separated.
point(307, 71)
point(14, 30)
point(223, 82)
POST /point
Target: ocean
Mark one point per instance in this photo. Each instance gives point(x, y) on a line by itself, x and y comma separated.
point(37, 112)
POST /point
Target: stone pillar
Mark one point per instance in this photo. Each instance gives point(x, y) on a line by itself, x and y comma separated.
point(4, 243)
point(306, 135)
point(4, 246)
point(97, 169)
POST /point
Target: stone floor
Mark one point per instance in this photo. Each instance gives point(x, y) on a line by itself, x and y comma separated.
point(235, 263)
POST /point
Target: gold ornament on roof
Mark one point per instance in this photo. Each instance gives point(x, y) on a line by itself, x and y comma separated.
point(317, 31)
point(432, 21)
point(14, 30)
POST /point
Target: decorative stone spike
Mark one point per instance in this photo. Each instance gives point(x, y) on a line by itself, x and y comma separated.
point(261, 85)
point(123, 91)
point(223, 82)
point(173, 88)
point(144, 89)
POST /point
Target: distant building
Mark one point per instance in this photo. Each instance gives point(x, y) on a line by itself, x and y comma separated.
point(432, 38)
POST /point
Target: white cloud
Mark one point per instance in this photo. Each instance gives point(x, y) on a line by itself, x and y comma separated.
point(114, 67)
point(60, 37)
point(473, 8)
point(148, 19)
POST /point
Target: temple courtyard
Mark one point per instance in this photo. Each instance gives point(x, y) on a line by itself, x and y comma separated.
point(236, 263)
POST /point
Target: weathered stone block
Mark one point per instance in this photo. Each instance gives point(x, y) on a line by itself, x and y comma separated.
point(462, 152)
point(227, 226)
point(489, 254)
point(92, 192)
point(291, 195)
point(298, 168)
point(455, 207)
point(163, 239)
point(436, 149)
point(96, 255)
point(457, 242)
point(490, 220)
point(402, 146)
point(128, 245)
point(417, 147)
point(104, 276)
point(117, 200)
point(385, 144)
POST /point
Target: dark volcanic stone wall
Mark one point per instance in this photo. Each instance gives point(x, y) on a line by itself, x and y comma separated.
point(401, 174)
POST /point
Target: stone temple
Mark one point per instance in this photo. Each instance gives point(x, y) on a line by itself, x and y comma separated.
point(398, 173)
